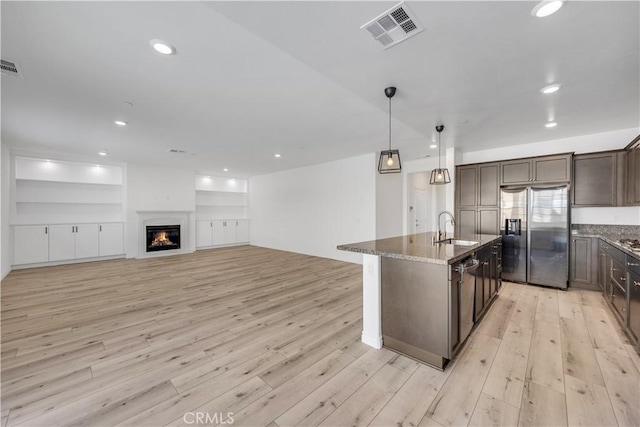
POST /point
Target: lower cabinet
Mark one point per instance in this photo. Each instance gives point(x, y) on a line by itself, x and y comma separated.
point(34, 244)
point(73, 241)
point(30, 244)
point(487, 277)
point(111, 240)
point(221, 232)
point(584, 260)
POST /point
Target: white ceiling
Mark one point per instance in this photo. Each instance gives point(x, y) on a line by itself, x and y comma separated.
point(251, 79)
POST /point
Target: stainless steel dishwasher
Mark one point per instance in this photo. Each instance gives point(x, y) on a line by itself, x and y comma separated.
point(466, 295)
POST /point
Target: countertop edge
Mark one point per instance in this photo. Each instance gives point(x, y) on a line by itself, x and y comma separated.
point(612, 241)
point(417, 258)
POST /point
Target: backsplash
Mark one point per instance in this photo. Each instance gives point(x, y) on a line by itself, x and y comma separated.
point(601, 229)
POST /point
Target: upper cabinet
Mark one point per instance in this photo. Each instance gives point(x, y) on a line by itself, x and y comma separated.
point(537, 170)
point(467, 186)
point(489, 185)
point(632, 172)
point(598, 179)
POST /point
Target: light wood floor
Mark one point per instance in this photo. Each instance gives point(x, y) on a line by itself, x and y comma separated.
point(273, 337)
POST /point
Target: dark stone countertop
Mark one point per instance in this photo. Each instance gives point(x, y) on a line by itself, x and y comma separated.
point(613, 240)
point(418, 247)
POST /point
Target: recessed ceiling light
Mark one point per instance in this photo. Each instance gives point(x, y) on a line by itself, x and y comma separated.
point(162, 47)
point(550, 89)
point(120, 123)
point(433, 146)
point(102, 153)
point(225, 170)
point(551, 125)
point(277, 155)
point(546, 8)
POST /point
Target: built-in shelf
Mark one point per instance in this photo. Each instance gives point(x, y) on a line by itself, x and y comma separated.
point(60, 192)
point(220, 199)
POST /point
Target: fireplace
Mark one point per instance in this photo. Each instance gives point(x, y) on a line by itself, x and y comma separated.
point(163, 237)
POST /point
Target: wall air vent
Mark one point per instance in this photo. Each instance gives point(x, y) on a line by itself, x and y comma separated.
point(394, 26)
point(9, 68)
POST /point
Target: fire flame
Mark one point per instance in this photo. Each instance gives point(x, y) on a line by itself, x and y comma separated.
point(161, 239)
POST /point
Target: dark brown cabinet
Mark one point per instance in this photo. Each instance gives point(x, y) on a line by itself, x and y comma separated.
point(488, 221)
point(536, 170)
point(580, 260)
point(633, 173)
point(487, 277)
point(584, 262)
point(466, 221)
point(466, 186)
point(552, 169)
point(477, 199)
point(489, 185)
point(598, 179)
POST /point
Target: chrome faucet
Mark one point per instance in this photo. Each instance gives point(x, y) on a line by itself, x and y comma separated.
point(442, 235)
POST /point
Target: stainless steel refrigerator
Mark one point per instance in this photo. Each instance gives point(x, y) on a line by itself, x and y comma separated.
point(535, 230)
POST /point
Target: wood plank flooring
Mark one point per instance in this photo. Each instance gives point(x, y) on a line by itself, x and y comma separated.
point(274, 338)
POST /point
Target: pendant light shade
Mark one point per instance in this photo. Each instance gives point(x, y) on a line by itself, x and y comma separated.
point(440, 176)
point(389, 159)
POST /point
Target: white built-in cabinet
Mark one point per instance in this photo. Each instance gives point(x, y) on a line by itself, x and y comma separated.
point(222, 232)
point(34, 244)
point(64, 211)
point(73, 241)
point(221, 211)
point(30, 244)
point(111, 241)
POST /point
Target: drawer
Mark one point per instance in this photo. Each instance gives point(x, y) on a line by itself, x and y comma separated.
point(618, 273)
point(619, 302)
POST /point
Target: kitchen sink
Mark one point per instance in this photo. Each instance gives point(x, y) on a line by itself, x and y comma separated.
point(459, 242)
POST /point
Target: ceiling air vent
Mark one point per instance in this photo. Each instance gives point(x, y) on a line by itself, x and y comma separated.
point(394, 26)
point(9, 68)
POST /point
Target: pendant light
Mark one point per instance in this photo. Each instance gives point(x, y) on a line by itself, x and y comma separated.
point(439, 176)
point(389, 159)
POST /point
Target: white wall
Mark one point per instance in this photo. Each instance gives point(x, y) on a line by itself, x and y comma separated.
point(5, 231)
point(156, 188)
point(313, 209)
point(389, 204)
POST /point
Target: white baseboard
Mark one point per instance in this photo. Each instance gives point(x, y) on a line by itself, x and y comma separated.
point(375, 342)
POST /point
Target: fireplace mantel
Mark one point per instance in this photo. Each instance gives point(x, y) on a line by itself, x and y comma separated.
point(184, 218)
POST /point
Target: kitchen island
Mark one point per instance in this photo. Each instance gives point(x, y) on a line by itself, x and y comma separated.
point(422, 298)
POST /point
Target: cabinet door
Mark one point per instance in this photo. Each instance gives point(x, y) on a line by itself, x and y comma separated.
point(466, 222)
point(594, 180)
point(488, 221)
point(489, 185)
point(87, 241)
point(111, 239)
point(62, 242)
point(229, 232)
point(466, 184)
point(30, 244)
point(242, 231)
point(635, 153)
point(552, 169)
point(217, 237)
point(204, 233)
point(580, 260)
point(634, 304)
point(515, 172)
